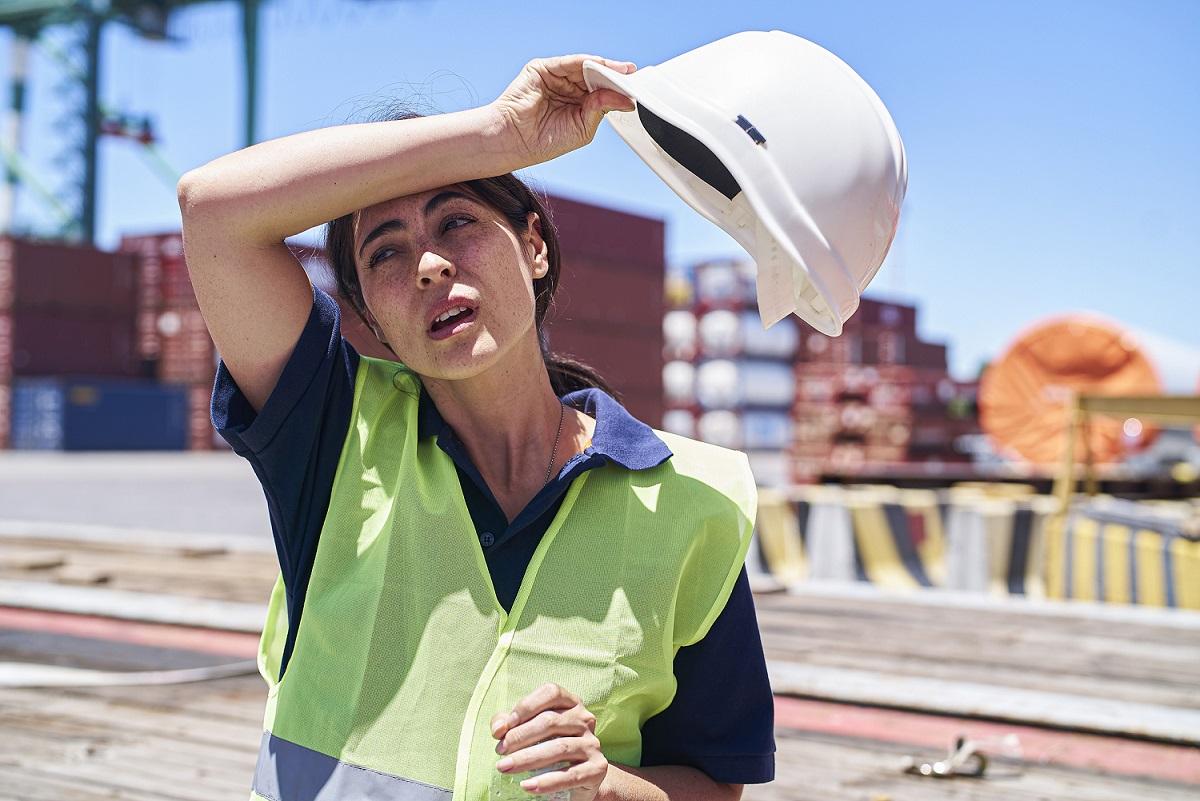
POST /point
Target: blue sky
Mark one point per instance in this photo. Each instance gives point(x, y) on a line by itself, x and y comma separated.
point(1052, 146)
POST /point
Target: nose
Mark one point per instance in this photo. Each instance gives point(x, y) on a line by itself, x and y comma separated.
point(432, 268)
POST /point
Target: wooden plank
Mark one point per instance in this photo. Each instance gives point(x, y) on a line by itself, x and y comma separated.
point(822, 768)
point(148, 607)
point(988, 701)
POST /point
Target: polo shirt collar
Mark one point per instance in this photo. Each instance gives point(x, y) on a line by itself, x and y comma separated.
point(619, 436)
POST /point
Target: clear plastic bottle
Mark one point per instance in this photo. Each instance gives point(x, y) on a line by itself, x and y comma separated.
point(507, 787)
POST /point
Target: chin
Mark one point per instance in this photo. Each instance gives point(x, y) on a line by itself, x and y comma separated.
point(458, 363)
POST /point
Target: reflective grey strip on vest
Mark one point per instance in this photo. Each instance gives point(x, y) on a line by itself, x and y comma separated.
point(290, 772)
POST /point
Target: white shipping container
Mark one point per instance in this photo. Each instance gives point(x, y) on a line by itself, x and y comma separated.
point(679, 335)
point(720, 336)
point(679, 382)
point(717, 282)
point(720, 428)
point(681, 422)
point(717, 384)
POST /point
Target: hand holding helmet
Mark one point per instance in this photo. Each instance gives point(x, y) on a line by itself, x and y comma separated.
point(548, 109)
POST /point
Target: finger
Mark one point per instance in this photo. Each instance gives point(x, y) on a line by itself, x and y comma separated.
point(548, 696)
point(582, 776)
point(547, 724)
point(572, 65)
point(612, 100)
point(543, 755)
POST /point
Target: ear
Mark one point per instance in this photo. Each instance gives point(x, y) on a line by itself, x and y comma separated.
point(533, 237)
point(373, 324)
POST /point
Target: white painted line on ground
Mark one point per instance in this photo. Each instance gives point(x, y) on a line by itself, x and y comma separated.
point(143, 606)
point(40, 529)
point(23, 674)
point(1035, 707)
point(1185, 619)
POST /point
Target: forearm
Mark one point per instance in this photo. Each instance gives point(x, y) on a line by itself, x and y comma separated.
point(663, 783)
point(281, 187)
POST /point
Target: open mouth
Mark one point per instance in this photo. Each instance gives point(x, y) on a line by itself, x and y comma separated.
point(450, 323)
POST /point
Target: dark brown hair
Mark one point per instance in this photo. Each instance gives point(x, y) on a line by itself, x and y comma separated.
point(513, 200)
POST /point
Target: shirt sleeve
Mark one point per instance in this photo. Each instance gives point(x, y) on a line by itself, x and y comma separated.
point(294, 442)
point(730, 735)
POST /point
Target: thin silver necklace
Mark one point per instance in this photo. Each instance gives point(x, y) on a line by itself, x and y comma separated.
point(562, 409)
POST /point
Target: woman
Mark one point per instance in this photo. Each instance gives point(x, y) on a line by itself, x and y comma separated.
point(488, 567)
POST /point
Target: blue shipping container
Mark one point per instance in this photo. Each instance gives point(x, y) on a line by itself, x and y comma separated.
point(89, 414)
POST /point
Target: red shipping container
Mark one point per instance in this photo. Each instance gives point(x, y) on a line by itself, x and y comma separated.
point(5, 413)
point(56, 276)
point(55, 343)
point(886, 454)
point(6, 343)
point(931, 355)
point(634, 242)
point(607, 293)
point(200, 429)
point(187, 350)
point(880, 314)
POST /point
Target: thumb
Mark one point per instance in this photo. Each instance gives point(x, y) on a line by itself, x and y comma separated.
point(605, 100)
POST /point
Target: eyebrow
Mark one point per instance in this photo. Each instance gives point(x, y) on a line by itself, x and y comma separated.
point(387, 226)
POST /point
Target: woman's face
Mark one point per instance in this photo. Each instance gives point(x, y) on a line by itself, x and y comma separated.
point(422, 255)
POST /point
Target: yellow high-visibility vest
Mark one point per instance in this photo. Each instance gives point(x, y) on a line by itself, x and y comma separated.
point(404, 653)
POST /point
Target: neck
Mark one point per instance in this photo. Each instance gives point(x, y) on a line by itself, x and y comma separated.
point(508, 417)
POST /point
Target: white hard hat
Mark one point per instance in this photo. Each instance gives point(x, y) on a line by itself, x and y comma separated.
point(787, 149)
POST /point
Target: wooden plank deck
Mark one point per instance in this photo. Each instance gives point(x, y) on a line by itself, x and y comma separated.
point(199, 740)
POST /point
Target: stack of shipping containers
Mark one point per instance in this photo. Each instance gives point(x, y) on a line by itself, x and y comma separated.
point(71, 374)
point(800, 403)
point(172, 335)
point(110, 351)
point(728, 381)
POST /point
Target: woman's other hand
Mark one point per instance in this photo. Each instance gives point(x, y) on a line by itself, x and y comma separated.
point(547, 110)
point(551, 725)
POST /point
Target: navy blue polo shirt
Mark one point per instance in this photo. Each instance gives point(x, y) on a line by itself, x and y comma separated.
point(721, 719)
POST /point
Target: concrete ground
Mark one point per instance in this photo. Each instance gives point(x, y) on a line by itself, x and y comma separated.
point(172, 491)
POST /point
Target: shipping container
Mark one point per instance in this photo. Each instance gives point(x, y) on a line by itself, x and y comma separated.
point(48, 343)
point(874, 313)
point(679, 335)
point(79, 413)
point(719, 334)
point(631, 242)
point(681, 422)
point(817, 347)
point(199, 418)
point(720, 428)
point(679, 383)
point(717, 384)
point(5, 413)
point(780, 341)
point(187, 350)
point(815, 422)
point(55, 276)
point(771, 468)
point(764, 430)
point(930, 355)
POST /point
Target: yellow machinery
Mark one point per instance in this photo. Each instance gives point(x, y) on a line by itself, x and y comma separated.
point(1160, 408)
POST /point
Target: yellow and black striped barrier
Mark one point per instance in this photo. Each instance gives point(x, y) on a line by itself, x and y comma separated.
point(1123, 553)
point(971, 540)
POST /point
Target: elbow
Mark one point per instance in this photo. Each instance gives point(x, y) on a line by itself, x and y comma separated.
point(186, 192)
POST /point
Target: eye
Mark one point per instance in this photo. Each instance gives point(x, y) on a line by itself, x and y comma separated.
point(463, 217)
point(378, 256)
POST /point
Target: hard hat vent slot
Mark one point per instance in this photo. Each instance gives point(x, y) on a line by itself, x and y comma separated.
point(690, 152)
